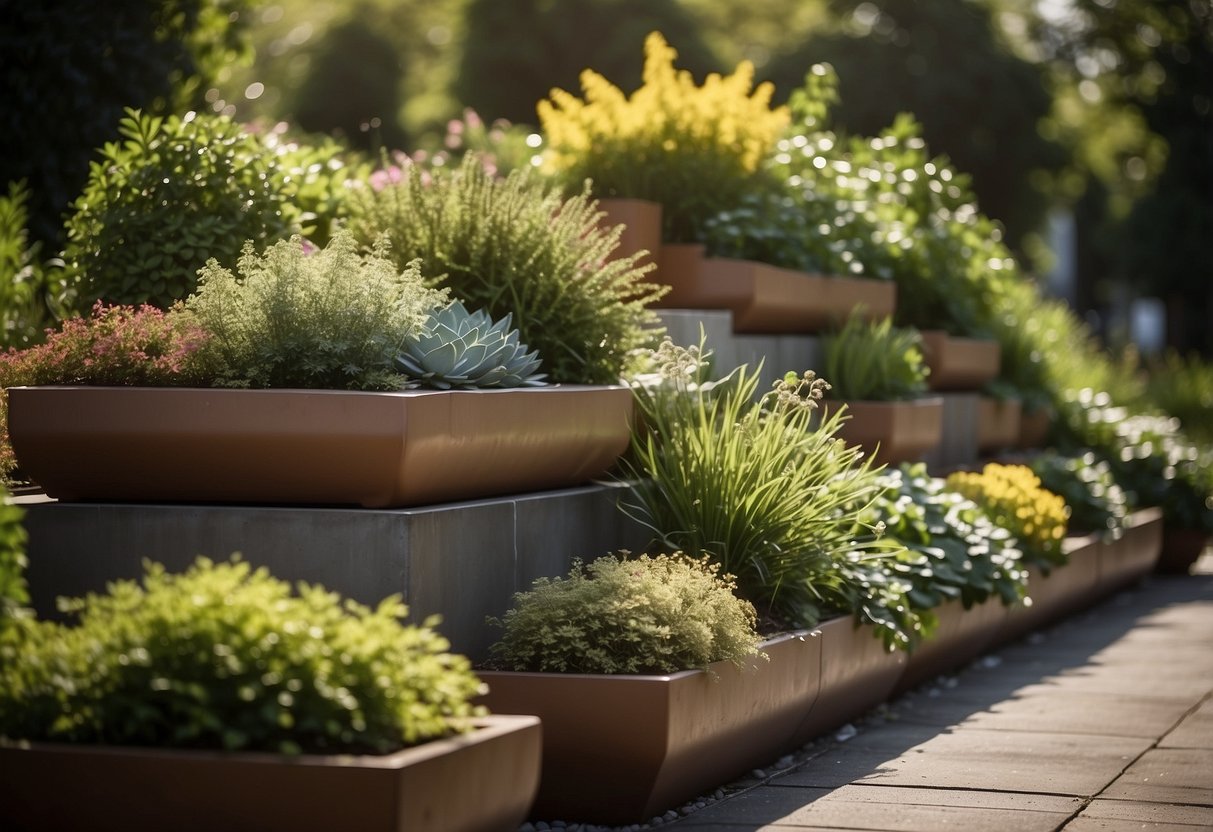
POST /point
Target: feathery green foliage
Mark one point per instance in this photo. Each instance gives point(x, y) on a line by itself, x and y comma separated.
point(515, 246)
point(617, 614)
point(225, 657)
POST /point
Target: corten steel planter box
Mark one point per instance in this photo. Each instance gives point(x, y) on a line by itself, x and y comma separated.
point(857, 673)
point(484, 780)
point(767, 299)
point(1065, 590)
point(1127, 560)
point(1034, 426)
point(641, 221)
point(959, 363)
point(962, 635)
point(378, 450)
point(1180, 549)
point(622, 749)
point(894, 431)
point(998, 422)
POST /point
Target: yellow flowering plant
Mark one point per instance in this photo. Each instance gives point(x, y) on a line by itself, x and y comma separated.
point(695, 149)
point(1014, 499)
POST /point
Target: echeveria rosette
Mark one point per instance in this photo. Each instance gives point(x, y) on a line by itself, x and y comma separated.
point(457, 349)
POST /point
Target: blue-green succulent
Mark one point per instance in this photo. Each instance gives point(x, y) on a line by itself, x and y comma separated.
point(457, 349)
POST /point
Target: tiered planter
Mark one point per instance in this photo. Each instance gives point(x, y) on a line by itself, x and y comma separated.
point(959, 363)
point(483, 780)
point(894, 431)
point(1034, 427)
point(1125, 561)
point(1062, 591)
point(314, 447)
point(962, 635)
point(641, 221)
point(767, 299)
point(998, 423)
point(621, 749)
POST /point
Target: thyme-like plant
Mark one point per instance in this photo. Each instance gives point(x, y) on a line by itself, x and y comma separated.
point(295, 317)
point(875, 361)
point(695, 149)
point(516, 247)
point(617, 614)
point(751, 482)
point(1097, 504)
point(1014, 499)
point(226, 657)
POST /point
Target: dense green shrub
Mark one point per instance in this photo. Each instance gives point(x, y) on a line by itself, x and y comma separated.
point(1096, 502)
point(225, 657)
point(175, 192)
point(875, 361)
point(314, 175)
point(32, 291)
point(751, 482)
point(517, 247)
point(1012, 496)
point(14, 595)
point(296, 317)
point(1183, 387)
point(657, 614)
point(960, 553)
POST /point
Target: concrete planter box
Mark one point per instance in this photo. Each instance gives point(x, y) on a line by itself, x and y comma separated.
point(317, 447)
point(1126, 561)
point(1063, 591)
point(622, 749)
point(959, 363)
point(998, 423)
point(962, 635)
point(894, 431)
point(767, 299)
point(484, 780)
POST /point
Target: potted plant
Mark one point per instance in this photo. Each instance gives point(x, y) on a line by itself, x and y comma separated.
point(880, 377)
point(326, 340)
point(651, 682)
point(194, 700)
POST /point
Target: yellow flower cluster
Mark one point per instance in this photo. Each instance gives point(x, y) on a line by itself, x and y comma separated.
point(1013, 498)
point(668, 114)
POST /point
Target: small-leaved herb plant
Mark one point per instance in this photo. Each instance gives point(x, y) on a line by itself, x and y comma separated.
point(335, 318)
point(619, 614)
point(223, 656)
point(874, 361)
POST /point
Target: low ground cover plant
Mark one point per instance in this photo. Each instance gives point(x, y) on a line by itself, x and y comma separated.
point(224, 656)
point(1012, 496)
point(620, 614)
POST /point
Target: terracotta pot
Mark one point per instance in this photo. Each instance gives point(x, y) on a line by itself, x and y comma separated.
point(622, 749)
point(1127, 560)
point(314, 446)
point(1064, 590)
point(959, 363)
point(997, 423)
point(768, 299)
point(962, 635)
point(857, 673)
point(1034, 427)
point(641, 221)
point(894, 431)
point(1180, 549)
point(480, 781)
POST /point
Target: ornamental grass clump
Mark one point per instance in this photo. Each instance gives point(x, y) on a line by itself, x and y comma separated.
point(226, 657)
point(875, 361)
point(516, 247)
point(1014, 499)
point(620, 614)
point(335, 318)
point(764, 487)
point(694, 149)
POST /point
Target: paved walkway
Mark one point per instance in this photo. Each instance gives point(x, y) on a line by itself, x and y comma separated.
point(1103, 723)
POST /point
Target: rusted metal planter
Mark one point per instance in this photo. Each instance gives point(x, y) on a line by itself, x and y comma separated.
point(1064, 590)
point(894, 431)
point(998, 423)
point(1180, 549)
point(622, 749)
point(959, 363)
point(483, 780)
point(317, 447)
point(1127, 560)
point(962, 635)
point(1034, 427)
point(641, 221)
point(768, 299)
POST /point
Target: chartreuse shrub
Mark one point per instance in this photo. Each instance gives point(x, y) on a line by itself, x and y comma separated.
point(753, 483)
point(1014, 499)
point(223, 656)
point(620, 614)
point(516, 247)
point(695, 149)
point(875, 361)
point(33, 293)
point(1096, 502)
point(173, 193)
point(334, 318)
point(960, 554)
